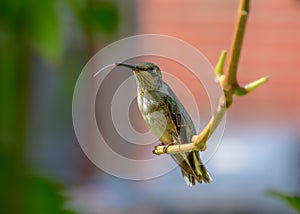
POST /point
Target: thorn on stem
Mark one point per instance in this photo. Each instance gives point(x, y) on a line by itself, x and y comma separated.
point(220, 65)
point(240, 91)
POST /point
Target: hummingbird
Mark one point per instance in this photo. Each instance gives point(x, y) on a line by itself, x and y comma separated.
point(167, 119)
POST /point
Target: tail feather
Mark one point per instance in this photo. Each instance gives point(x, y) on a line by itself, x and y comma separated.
point(205, 175)
point(192, 168)
point(188, 178)
point(191, 179)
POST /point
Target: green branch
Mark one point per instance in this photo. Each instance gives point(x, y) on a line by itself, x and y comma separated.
point(228, 82)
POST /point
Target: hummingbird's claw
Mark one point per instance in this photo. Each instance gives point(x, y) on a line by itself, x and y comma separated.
point(166, 147)
point(154, 151)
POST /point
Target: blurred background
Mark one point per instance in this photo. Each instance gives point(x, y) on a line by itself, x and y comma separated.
point(43, 48)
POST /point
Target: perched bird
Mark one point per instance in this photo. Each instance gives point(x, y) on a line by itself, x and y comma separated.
point(167, 119)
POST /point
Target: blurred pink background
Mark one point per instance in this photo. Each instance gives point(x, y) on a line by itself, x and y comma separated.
point(44, 47)
point(260, 146)
point(271, 47)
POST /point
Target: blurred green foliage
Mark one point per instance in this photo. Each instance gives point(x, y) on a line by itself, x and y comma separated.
point(292, 201)
point(37, 23)
point(42, 197)
point(27, 28)
point(96, 15)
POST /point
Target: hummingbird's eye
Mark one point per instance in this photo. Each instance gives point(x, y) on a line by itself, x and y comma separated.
point(150, 70)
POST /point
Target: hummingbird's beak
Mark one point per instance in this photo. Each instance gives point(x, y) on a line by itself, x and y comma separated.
point(127, 65)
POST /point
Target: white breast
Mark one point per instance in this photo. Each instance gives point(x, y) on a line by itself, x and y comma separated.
point(146, 105)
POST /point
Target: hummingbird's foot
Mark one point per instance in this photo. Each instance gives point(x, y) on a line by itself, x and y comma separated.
point(154, 151)
point(155, 148)
point(166, 147)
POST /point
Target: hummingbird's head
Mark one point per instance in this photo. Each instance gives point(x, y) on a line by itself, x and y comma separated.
point(148, 75)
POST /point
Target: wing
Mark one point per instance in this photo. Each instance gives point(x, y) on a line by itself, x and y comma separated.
point(174, 114)
point(187, 161)
point(177, 118)
point(190, 163)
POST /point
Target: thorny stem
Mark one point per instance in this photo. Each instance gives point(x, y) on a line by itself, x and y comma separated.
point(229, 84)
